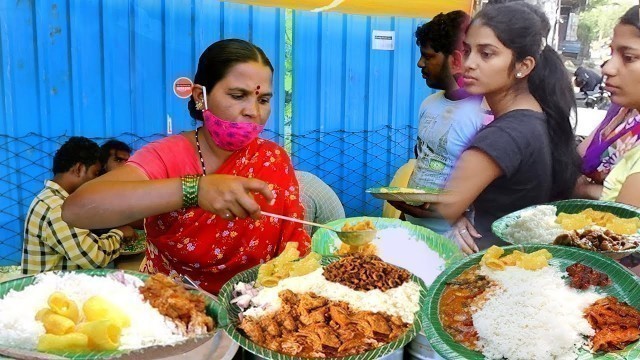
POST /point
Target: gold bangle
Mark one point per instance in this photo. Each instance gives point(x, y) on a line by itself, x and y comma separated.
point(190, 190)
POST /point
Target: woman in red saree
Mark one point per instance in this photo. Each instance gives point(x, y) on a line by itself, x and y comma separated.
point(233, 174)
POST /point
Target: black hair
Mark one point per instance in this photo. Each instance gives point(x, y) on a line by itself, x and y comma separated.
point(443, 32)
point(523, 30)
point(77, 149)
point(112, 144)
point(218, 58)
point(632, 17)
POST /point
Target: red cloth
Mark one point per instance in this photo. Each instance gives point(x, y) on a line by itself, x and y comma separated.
point(208, 248)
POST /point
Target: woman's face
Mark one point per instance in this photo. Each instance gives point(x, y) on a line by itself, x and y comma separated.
point(623, 69)
point(243, 95)
point(488, 63)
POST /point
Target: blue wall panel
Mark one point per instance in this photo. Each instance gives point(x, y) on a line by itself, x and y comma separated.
point(354, 108)
point(103, 68)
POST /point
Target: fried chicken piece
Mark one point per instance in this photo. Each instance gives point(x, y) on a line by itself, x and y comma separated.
point(614, 338)
point(378, 324)
point(616, 323)
point(339, 315)
point(311, 301)
point(186, 309)
point(253, 330)
point(271, 327)
point(291, 347)
point(326, 334)
point(316, 316)
point(287, 320)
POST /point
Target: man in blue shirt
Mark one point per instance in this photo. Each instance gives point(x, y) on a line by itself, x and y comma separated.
point(449, 118)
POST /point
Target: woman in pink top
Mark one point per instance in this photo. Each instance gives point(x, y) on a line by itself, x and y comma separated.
point(201, 192)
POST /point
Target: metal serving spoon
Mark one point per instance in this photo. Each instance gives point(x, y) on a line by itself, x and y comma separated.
point(353, 238)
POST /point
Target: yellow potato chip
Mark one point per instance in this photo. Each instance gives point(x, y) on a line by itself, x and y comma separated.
point(494, 252)
point(533, 262)
point(287, 264)
point(623, 226)
point(509, 260)
point(62, 305)
point(99, 308)
point(495, 264)
point(289, 253)
point(544, 252)
point(269, 281)
point(102, 334)
point(573, 221)
point(57, 324)
point(42, 313)
point(68, 342)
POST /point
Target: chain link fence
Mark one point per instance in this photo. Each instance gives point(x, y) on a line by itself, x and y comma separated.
point(348, 161)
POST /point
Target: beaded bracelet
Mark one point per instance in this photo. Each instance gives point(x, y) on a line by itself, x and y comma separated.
point(190, 190)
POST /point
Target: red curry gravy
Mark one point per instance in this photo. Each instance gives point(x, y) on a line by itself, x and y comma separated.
point(455, 305)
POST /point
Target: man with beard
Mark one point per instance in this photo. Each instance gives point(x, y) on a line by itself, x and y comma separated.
point(449, 118)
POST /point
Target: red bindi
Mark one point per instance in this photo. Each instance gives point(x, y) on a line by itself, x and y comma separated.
point(257, 88)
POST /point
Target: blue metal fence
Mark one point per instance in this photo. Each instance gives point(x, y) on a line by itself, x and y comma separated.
point(358, 105)
point(106, 68)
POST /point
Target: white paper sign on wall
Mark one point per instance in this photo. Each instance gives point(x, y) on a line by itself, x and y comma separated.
point(383, 40)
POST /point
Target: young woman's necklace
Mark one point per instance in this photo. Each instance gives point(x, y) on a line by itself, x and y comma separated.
point(204, 169)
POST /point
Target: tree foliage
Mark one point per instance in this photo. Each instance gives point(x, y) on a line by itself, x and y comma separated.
point(599, 19)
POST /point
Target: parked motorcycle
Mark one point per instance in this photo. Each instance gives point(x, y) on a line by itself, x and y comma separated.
point(600, 99)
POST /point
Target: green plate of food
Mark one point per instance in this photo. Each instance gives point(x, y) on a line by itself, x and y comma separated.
point(135, 246)
point(535, 302)
point(102, 313)
point(321, 307)
point(405, 194)
point(610, 228)
point(401, 243)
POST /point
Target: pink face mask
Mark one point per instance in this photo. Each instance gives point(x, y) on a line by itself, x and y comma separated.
point(229, 135)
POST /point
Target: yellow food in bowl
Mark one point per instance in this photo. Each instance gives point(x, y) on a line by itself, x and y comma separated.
point(359, 226)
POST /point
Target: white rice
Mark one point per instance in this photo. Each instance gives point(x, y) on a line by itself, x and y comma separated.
point(403, 301)
point(533, 316)
point(536, 226)
point(19, 329)
point(398, 247)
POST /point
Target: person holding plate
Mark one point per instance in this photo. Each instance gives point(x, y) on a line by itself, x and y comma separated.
point(527, 155)
point(201, 192)
point(449, 118)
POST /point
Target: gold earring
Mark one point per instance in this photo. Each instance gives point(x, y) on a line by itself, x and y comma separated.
point(199, 105)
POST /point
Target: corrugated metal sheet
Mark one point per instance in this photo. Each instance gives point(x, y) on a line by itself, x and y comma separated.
point(106, 68)
point(101, 69)
point(354, 108)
